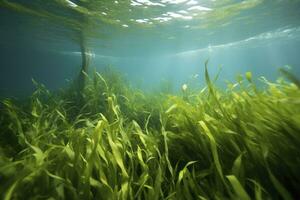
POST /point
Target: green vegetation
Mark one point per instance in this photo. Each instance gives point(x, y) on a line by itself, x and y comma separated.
point(115, 142)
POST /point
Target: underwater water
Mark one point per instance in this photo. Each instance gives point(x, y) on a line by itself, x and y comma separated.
point(150, 99)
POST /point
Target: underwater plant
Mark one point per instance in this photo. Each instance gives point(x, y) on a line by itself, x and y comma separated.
point(122, 143)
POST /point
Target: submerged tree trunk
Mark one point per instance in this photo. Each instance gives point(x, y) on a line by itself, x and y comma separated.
point(84, 63)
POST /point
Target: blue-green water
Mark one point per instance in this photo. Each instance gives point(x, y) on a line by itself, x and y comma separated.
point(148, 41)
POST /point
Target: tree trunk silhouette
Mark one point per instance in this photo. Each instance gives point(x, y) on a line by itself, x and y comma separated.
point(84, 63)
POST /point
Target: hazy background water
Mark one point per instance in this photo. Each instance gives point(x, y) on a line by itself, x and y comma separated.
point(29, 48)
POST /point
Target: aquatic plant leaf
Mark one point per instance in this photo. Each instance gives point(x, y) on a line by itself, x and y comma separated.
point(237, 187)
point(157, 183)
point(214, 151)
point(236, 168)
point(258, 190)
point(140, 133)
point(290, 76)
point(69, 152)
point(279, 187)
point(239, 78)
point(9, 193)
point(249, 76)
point(184, 171)
point(212, 90)
point(207, 78)
point(60, 114)
point(103, 80)
point(202, 198)
point(101, 152)
point(55, 176)
point(39, 155)
point(142, 183)
point(173, 107)
point(117, 156)
point(125, 189)
point(95, 183)
point(140, 157)
point(167, 152)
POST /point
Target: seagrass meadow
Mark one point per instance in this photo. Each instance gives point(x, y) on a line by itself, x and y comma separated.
point(114, 142)
point(149, 100)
